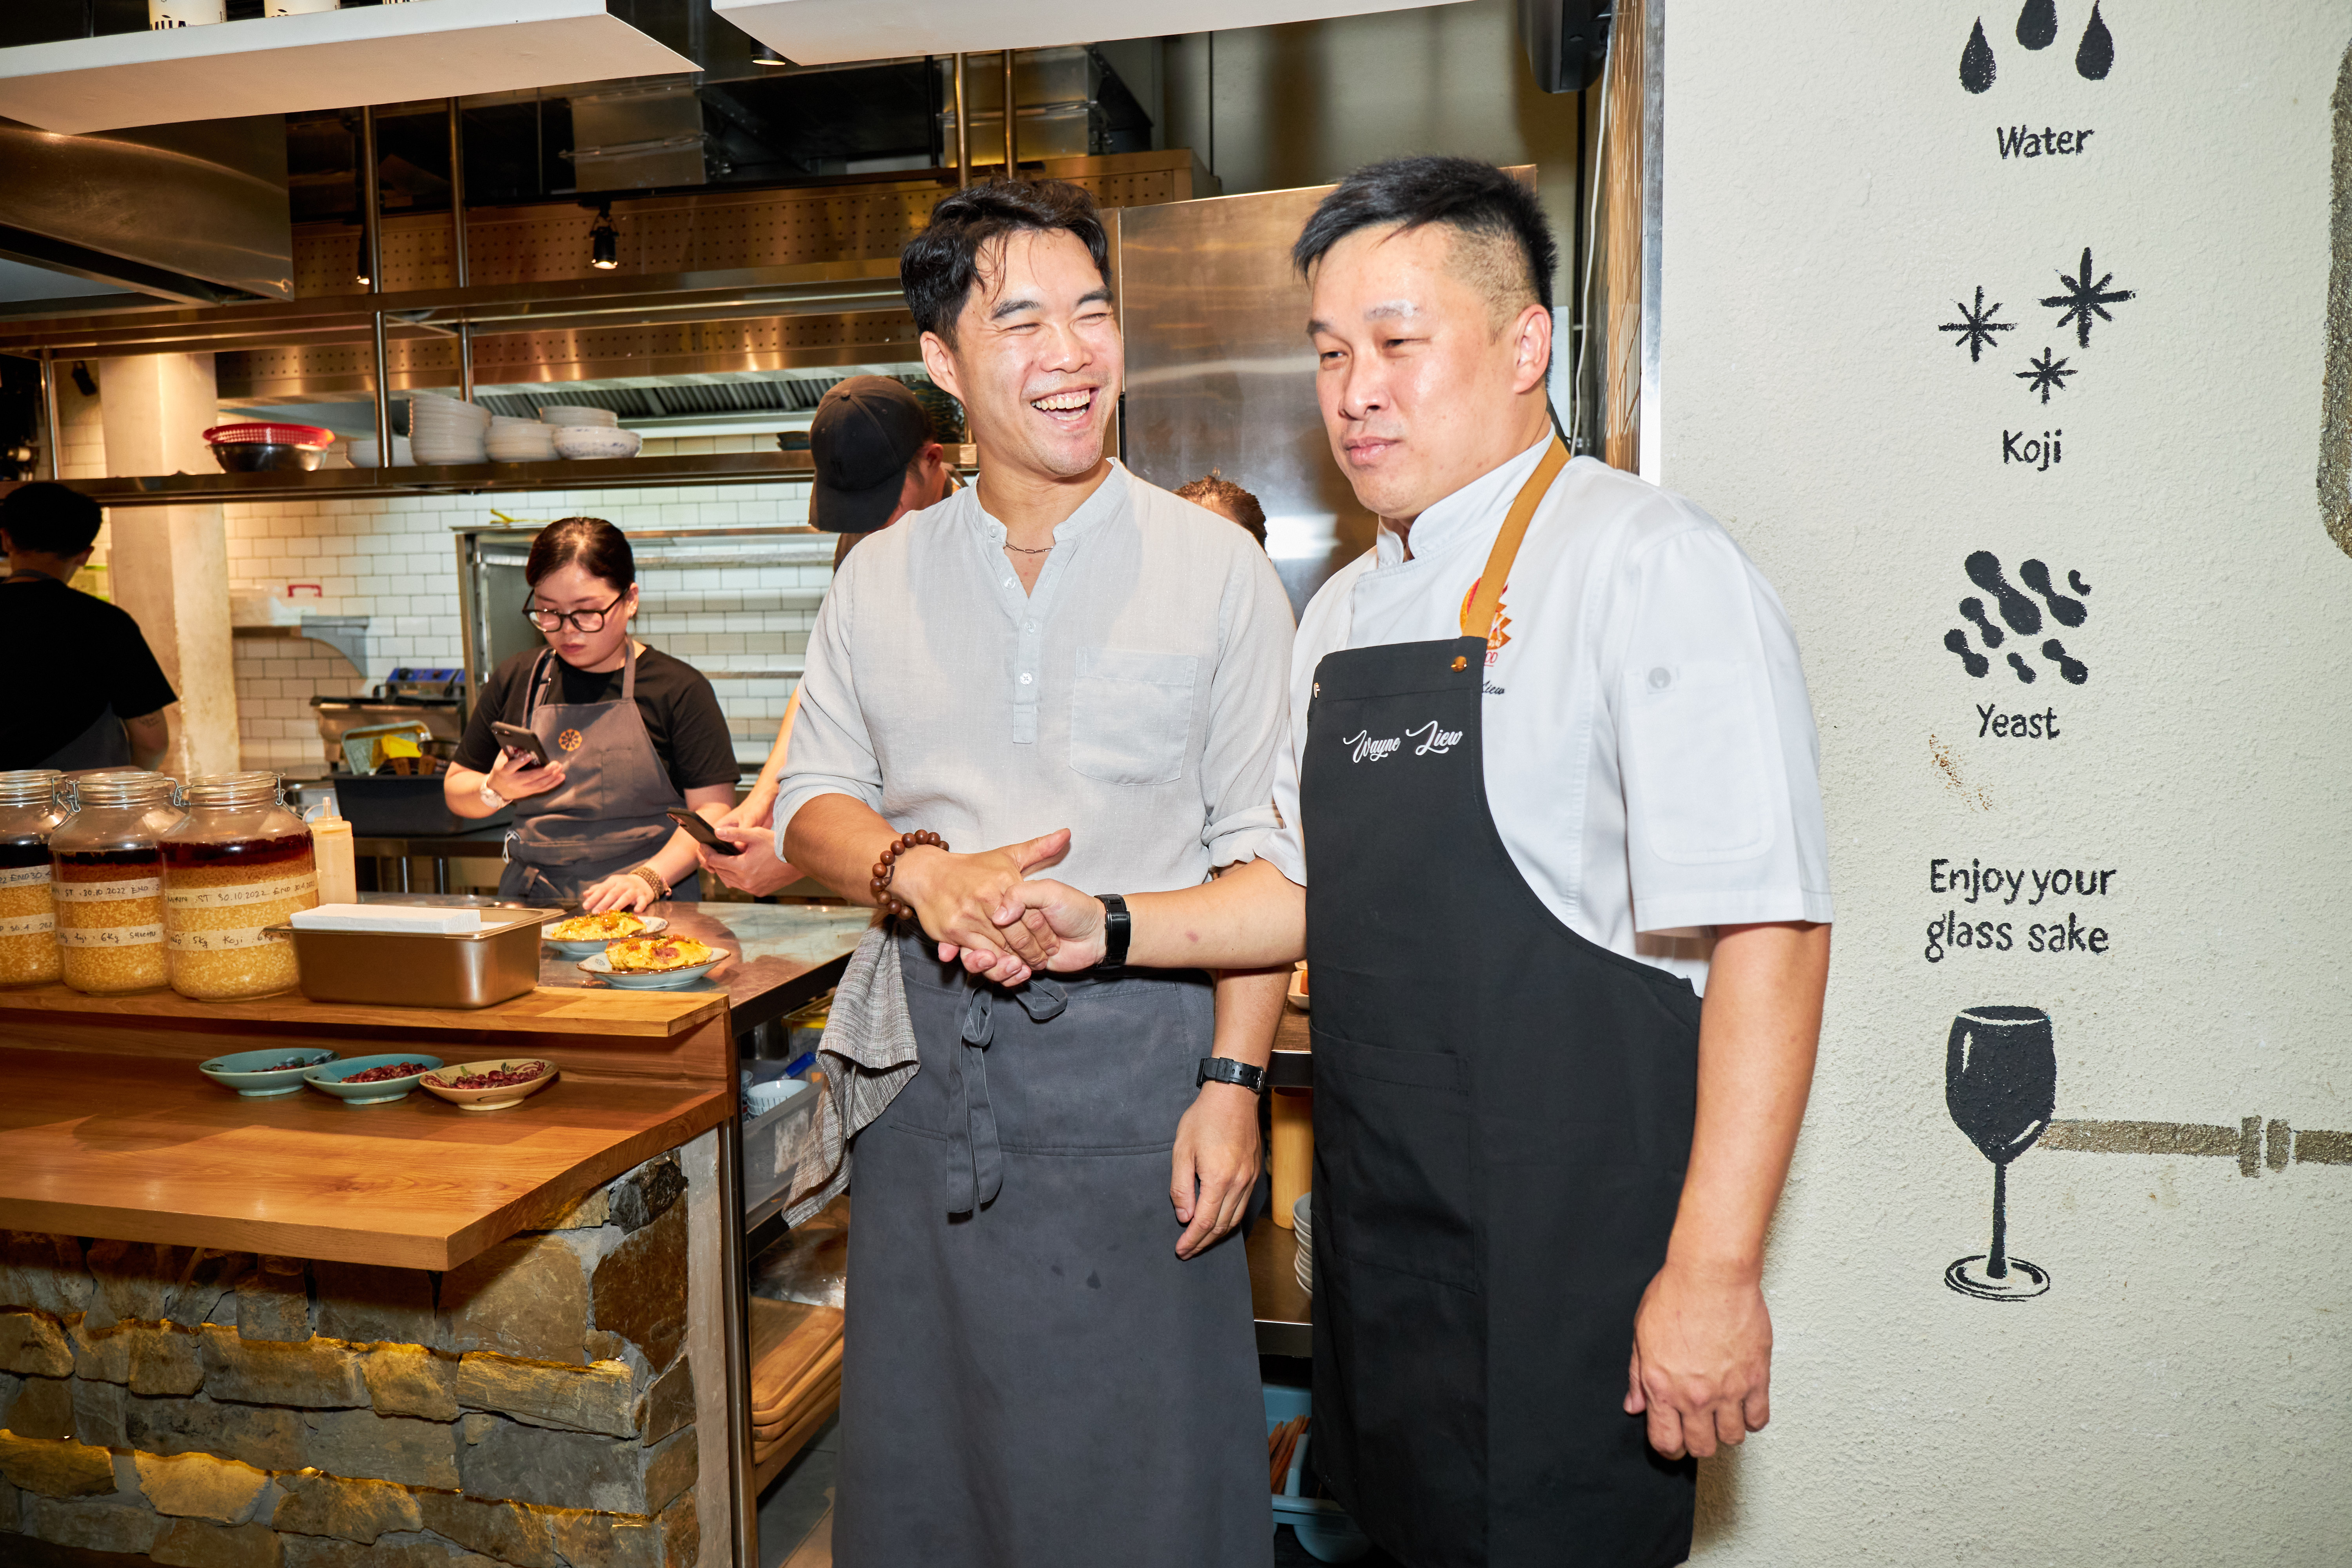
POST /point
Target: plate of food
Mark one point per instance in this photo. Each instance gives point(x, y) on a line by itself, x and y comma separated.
point(584, 934)
point(494, 1084)
point(263, 1074)
point(653, 963)
point(371, 1080)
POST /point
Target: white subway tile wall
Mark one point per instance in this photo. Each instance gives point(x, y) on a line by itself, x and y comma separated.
point(395, 562)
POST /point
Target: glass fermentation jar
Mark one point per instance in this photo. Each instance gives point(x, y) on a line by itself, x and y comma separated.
point(238, 864)
point(108, 865)
point(28, 915)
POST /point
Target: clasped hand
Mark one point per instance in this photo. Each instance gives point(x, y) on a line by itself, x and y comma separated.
point(959, 896)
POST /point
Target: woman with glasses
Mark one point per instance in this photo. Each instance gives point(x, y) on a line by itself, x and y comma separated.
point(629, 733)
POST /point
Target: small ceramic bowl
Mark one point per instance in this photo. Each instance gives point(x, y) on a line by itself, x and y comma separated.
point(500, 1098)
point(663, 980)
point(655, 926)
point(264, 1075)
point(329, 1079)
point(578, 441)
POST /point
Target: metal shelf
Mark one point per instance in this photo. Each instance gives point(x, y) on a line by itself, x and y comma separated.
point(466, 478)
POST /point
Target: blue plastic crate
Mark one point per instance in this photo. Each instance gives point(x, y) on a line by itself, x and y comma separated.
point(1322, 1526)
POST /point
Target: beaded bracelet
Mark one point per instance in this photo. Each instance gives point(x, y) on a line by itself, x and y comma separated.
point(886, 868)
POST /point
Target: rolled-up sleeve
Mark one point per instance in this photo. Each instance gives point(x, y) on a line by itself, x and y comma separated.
point(1248, 712)
point(831, 752)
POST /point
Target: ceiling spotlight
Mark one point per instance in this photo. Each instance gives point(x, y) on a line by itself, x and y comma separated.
point(605, 240)
point(767, 57)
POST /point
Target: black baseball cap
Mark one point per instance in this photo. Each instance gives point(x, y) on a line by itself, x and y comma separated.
point(866, 432)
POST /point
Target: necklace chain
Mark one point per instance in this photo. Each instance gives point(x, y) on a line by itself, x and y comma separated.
point(1018, 550)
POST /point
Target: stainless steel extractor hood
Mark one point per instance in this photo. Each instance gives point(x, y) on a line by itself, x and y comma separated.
point(194, 213)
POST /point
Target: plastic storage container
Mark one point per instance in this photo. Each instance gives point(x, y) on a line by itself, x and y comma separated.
point(781, 1152)
point(238, 864)
point(28, 915)
point(108, 860)
point(1322, 1526)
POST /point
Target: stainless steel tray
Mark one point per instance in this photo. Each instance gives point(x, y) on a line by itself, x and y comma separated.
point(400, 969)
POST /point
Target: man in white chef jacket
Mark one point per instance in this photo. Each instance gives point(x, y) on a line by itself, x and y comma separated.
point(1553, 758)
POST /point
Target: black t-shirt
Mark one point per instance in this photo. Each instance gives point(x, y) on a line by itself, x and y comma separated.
point(76, 656)
point(681, 711)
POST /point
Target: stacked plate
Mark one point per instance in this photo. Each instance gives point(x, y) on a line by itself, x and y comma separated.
point(444, 431)
point(520, 441)
point(363, 453)
point(1302, 1224)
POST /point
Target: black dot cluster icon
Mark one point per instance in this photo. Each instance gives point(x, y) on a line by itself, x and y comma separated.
point(2014, 613)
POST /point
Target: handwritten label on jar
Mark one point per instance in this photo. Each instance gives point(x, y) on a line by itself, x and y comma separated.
point(27, 925)
point(106, 892)
point(225, 939)
point(240, 893)
point(24, 876)
point(109, 936)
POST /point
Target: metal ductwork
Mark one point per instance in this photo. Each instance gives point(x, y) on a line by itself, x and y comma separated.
point(194, 213)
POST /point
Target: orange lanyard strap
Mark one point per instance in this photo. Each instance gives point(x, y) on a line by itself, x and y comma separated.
point(1478, 615)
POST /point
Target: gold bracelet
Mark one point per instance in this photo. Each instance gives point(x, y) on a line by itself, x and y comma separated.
point(652, 879)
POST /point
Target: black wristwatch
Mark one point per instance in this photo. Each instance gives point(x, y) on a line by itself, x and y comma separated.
point(1226, 1069)
point(1117, 929)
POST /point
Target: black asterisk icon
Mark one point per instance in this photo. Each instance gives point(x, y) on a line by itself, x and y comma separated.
point(2047, 375)
point(2084, 299)
point(1976, 326)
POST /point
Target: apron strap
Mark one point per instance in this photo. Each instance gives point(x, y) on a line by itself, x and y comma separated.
point(1478, 615)
point(628, 669)
point(542, 674)
point(975, 1159)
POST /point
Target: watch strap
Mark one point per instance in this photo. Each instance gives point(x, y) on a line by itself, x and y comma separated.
point(1117, 928)
point(1226, 1069)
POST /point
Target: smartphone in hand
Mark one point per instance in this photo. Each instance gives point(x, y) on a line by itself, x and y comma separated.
point(702, 833)
point(515, 738)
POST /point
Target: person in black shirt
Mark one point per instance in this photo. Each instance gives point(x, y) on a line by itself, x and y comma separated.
point(629, 732)
point(100, 702)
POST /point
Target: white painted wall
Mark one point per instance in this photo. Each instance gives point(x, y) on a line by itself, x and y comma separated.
point(2183, 1392)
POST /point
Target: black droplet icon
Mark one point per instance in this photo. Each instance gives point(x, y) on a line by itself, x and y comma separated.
point(2096, 57)
point(1977, 68)
point(2075, 671)
point(1974, 662)
point(2067, 612)
point(2037, 25)
point(2074, 581)
point(2024, 671)
point(2023, 615)
point(1974, 609)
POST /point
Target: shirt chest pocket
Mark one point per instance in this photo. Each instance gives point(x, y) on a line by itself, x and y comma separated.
point(1131, 715)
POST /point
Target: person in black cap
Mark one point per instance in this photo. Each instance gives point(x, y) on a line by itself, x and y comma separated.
point(876, 459)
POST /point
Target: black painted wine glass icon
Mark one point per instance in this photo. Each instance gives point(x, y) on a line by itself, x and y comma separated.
point(2000, 1084)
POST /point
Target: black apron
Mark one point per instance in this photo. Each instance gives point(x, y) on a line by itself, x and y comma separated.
point(1502, 1112)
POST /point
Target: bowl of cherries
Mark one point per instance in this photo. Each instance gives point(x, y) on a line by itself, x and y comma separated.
point(371, 1080)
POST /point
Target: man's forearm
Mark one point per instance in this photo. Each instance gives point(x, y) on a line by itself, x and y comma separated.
point(1253, 917)
point(1249, 1009)
point(837, 841)
point(1759, 1029)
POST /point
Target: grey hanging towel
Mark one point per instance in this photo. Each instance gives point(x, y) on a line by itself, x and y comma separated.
point(868, 1053)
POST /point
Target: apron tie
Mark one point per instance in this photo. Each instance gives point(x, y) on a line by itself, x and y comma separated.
point(975, 1171)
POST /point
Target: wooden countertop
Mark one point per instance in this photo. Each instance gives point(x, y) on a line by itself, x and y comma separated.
point(548, 1010)
point(145, 1149)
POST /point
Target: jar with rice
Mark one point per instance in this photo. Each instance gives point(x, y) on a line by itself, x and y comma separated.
point(237, 865)
point(28, 915)
point(108, 862)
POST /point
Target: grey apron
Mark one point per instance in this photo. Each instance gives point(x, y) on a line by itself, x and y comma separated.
point(607, 815)
point(1030, 1376)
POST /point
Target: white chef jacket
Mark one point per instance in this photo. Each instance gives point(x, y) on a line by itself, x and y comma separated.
point(1650, 755)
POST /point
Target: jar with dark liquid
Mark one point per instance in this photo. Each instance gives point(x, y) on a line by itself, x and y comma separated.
point(107, 866)
point(238, 864)
point(28, 915)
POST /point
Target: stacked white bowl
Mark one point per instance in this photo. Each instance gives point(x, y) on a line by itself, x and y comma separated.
point(584, 432)
point(363, 453)
point(520, 441)
point(1302, 1222)
point(444, 431)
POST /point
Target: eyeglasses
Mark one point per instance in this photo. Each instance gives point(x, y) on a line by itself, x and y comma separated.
point(581, 620)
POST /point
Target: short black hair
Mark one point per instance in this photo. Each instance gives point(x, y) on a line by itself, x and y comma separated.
point(1463, 193)
point(940, 266)
point(49, 520)
point(591, 543)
